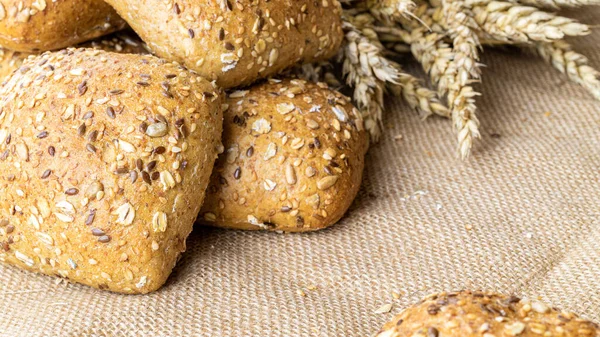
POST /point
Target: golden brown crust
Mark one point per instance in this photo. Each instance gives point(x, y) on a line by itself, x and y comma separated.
point(104, 159)
point(479, 314)
point(236, 42)
point(40, 25)
point(121, 42)
point(290, 162)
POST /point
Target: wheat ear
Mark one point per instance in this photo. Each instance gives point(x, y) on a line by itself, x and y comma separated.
point(562, 56)
point(464, 70)
point(367, 72)
point(524, 24)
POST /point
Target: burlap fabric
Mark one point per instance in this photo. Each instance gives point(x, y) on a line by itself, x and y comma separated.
point(522, 217)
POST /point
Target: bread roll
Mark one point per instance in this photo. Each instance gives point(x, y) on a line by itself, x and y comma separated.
point(40, 25)
point(293, 160)
point(104, 159)
point(477, 314)
point(236, 42)
point(122, 42)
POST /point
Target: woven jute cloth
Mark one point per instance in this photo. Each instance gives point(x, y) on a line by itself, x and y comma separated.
point(521, 217)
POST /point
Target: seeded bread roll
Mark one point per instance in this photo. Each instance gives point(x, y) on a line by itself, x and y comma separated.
point(122, 42)
point(293, 160)
point(104, 159)
point(40, 25)
point(476, 314)
point(236, 42)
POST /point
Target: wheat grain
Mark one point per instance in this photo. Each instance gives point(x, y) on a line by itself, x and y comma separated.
point(422, 99)
point(516, 23)
point(390, 10)
point(562, 56)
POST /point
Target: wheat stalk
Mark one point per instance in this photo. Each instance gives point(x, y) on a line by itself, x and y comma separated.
point(562, 56)
point(512, 22)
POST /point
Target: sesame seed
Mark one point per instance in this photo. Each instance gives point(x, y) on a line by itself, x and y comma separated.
point(42, 134)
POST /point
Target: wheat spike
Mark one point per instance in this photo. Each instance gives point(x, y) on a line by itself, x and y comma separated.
point(524, 24)
point(562, 56)
point(463, 71)
point(367, 72)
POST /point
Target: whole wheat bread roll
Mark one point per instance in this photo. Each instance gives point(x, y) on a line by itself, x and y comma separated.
point(293, 159)
point(480, 314)
point(236, 42)
point(40, 25)
point(104, 159)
